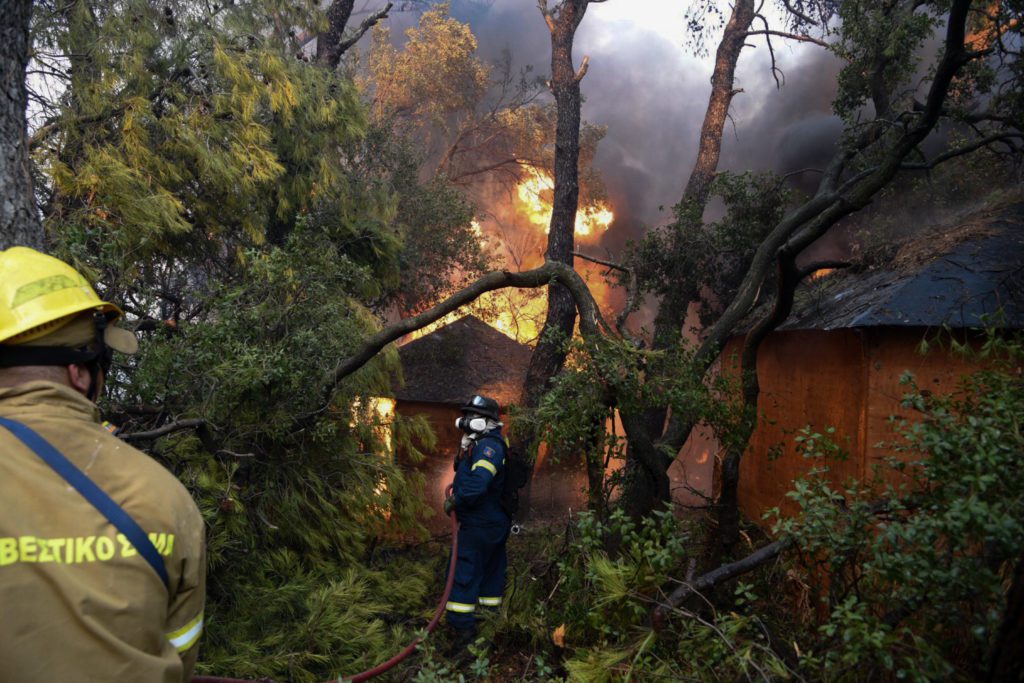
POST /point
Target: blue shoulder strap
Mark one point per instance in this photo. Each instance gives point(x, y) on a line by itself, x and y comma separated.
point(92, 493)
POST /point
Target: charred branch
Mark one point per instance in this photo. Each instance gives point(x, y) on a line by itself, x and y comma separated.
point(601, 262)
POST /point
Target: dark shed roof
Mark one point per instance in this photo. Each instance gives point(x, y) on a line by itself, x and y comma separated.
point(959, 281)
point(460, 359)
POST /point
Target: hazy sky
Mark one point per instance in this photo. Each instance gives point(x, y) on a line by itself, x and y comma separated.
point(651, 92)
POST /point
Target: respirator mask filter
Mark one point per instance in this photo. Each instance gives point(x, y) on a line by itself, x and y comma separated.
point(471, 424)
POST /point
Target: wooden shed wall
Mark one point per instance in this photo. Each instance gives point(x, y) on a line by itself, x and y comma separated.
point(811, 378)
point(889, 352)
point(847, 379)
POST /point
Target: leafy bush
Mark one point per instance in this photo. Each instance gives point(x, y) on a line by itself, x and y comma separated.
point(915, 573)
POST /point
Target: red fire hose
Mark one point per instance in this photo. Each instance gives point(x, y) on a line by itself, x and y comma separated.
point(409, 649)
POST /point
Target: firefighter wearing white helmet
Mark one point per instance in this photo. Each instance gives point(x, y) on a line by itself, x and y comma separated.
point(102, 566)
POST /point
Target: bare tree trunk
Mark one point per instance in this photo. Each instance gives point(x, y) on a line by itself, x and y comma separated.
point(1006, 661)
point(645, 487)
point(332, 45)
point(549, 356)
point(19, 223)
point(327, 43)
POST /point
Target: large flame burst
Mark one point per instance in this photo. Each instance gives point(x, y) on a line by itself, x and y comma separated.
point(520, 313)
point(535, 195)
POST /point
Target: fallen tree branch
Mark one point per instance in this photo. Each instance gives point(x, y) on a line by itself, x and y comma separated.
point(192, 423)
point(716, 576)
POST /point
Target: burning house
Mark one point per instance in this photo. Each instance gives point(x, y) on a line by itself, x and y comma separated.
point(838, 360)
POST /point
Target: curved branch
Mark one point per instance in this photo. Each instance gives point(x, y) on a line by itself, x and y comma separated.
point(771, 50)
point(590, 316)
point(960, 151)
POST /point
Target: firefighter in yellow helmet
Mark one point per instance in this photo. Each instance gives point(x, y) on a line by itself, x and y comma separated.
point(102, 567)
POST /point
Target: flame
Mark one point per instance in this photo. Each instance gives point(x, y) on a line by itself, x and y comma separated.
point(516, 313)
point(520, 313)
point(535, 196)
point(821, 272)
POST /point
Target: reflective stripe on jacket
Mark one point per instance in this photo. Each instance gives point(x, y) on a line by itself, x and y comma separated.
point(479, 478)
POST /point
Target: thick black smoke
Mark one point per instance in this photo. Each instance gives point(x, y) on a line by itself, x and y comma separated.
point(651, 94)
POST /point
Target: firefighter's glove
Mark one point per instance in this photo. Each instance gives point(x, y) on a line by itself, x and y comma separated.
point(449, 505)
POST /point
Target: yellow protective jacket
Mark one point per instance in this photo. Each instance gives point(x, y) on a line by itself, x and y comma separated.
point(77, 602)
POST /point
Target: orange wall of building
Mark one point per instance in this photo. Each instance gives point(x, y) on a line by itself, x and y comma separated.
point(847, 379)
point(810, 378)
point(890, 353)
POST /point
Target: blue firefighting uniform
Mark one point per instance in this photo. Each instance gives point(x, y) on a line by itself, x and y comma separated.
point(484, 528)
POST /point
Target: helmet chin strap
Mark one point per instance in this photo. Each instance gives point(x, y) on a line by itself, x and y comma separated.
point(96, 364)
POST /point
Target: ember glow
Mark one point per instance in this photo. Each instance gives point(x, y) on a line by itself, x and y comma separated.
point(821, 272)
point(383, 412)
point(535, 196)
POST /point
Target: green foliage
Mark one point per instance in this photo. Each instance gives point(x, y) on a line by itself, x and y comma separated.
point(601, 603)
point(179, 131)
point(917, 569)
point(440, 250)
point(879, 45)
point(234, 199)
point(690, 259)
point(296, 488)
point(574, 415)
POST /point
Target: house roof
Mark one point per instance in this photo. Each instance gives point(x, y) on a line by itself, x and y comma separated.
point(463, 358)
point(959, 278)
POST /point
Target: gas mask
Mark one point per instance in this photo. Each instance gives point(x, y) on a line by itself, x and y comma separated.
point(471, 424)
